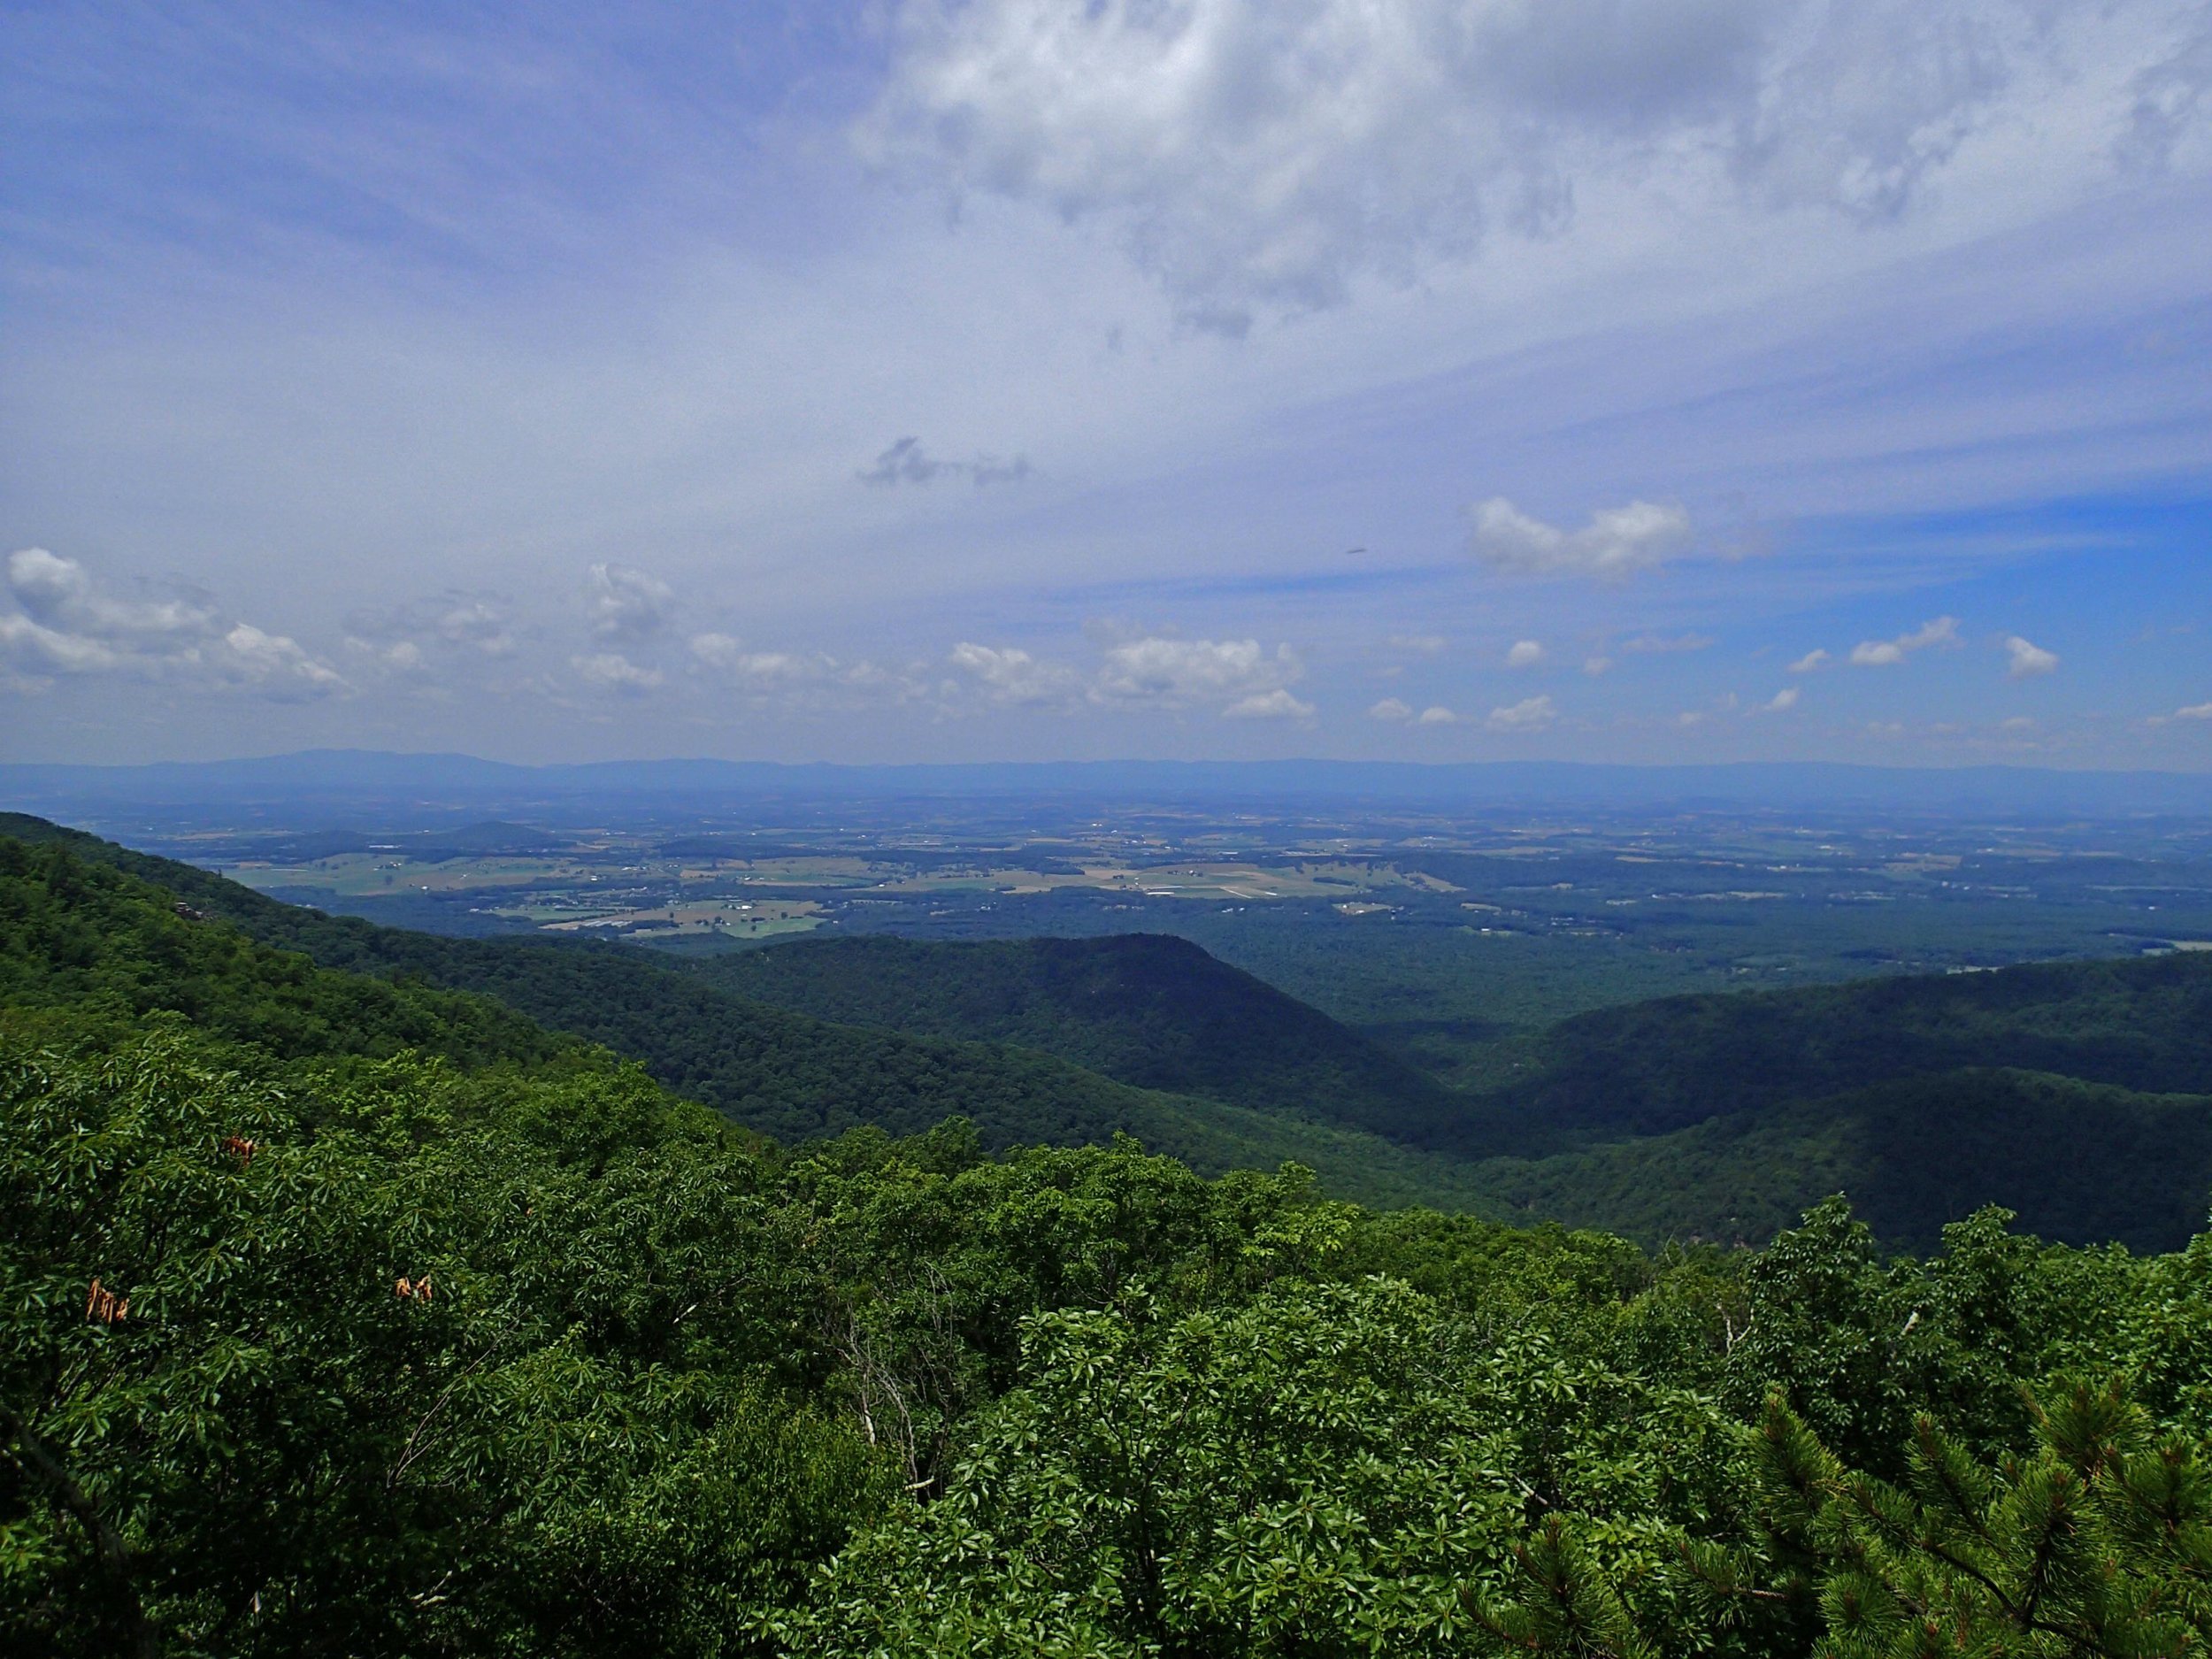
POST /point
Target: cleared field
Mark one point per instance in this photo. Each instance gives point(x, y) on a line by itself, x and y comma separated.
point(745, 918)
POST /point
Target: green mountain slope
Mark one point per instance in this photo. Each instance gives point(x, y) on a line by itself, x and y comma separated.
point(1147, 1009)
point(84, 936)
point(1651, 1067)
point(2086, 1163)
point(86, 922)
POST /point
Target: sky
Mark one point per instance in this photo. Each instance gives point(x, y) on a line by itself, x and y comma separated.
point(1665, 380)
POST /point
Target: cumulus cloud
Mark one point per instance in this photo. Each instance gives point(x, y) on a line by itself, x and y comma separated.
point(1530, 714)
point(1810, 663)
point(1390, 709)
point(1525, 654)
point(1178, 673)
point(1437, 714)
point(1617, 542)
point(1889, 653)
point(906, 461)
point(624, 605)
point(2194, 711)
point(611, 671)
point(1595, 665)
point(273, 662)
point(60, 595)
point(1272, 157)
point(1268, 705)
point(2028, 660)
point(1014, 676)
point(67, 623)
point(1783, 701)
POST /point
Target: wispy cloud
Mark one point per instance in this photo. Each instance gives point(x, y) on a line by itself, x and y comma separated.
point(906, 461)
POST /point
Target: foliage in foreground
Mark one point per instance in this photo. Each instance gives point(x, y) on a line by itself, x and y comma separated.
point(397, 1358)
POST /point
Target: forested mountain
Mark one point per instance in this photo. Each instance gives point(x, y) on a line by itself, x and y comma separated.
point(1149, 1009)
point(2075, 1160)
point(95, 924)
point(346, 1315)
point(1647, 1068)
point(2078, 1094)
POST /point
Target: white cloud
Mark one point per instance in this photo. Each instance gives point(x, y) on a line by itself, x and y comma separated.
point(1391, 709)
point(1525, 654)
point(44, 649)
point(1272, 157)
point(272, 663)
point(1180, 672)
point(1268, 705)
point(59, 594)
point(1889, 653)
point(1783, 701)
point(1437, 714)
point(1014, 676)
point(1595, 665)
point(1530, 714)
point(1615, 543)
point(2029, 660)
point(1812, 661)
point(2194, 711)
point(622, 605)
point(67, 625)
point(760, 670)
point(475, 620)
point(611, 671)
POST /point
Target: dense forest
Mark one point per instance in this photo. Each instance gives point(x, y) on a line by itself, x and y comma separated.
point(352, 1313)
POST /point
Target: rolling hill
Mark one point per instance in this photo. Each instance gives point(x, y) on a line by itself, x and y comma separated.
point(1650, 1068)
point(1149, 1010)
point(86, 922)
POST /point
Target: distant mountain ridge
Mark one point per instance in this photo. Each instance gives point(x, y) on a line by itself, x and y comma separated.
point(457, 782)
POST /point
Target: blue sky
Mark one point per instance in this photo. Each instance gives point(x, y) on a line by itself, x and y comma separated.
point(1643, 379)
